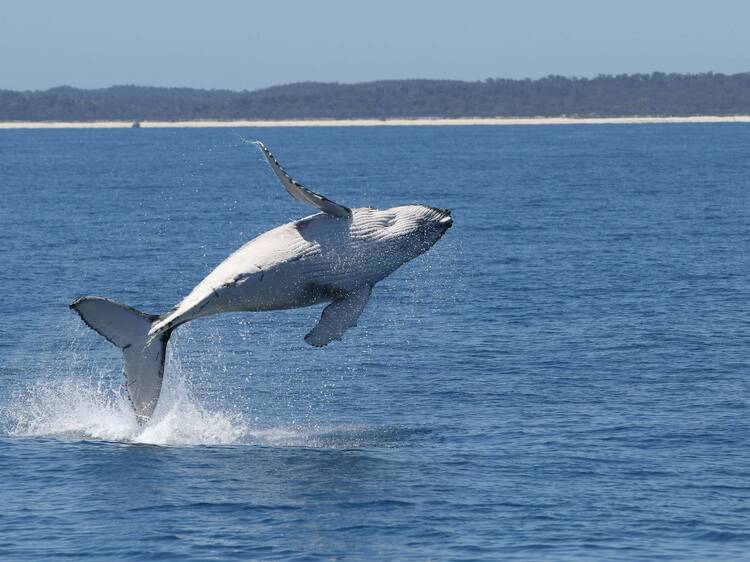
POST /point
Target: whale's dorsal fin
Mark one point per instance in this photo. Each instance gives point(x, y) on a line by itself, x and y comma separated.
point(300, 192)
point(338, 316)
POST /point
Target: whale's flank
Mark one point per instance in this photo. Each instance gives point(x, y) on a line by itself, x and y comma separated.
point(127, 328)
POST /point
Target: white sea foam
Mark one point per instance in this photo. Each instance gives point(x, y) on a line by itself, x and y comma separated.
point(95, 409)
point(68, 408)
point(79, 397)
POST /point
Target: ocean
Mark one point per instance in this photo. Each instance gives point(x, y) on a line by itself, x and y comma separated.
point(564, 376)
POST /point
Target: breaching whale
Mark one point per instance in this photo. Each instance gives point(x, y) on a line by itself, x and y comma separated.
point(335, 256)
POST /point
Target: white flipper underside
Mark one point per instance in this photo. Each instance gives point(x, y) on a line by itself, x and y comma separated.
point(127, 328)
point(338, 316)
point(302, 193)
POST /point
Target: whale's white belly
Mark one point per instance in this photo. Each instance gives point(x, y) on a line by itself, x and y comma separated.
point(298, 264)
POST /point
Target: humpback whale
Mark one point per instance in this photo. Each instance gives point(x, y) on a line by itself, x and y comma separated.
point(336, 256)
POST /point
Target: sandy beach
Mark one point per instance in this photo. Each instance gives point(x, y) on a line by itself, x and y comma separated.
point(375, 122)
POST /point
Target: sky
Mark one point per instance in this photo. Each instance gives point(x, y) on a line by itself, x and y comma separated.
point(251, 44)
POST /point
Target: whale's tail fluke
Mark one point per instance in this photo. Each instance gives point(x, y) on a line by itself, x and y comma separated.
point(128, 329)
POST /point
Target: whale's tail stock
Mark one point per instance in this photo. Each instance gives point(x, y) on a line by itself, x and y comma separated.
point(143, 357)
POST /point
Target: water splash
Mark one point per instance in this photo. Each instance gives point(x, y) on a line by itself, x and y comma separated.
point(95, 409)
point(79, 396)
point(72, 409)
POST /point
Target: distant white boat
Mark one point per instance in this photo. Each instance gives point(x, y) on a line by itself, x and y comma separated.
point(136, 125)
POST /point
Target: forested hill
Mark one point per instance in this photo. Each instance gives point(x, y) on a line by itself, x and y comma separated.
point(655, 94)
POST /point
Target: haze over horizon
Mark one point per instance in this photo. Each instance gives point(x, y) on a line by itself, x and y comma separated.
point(237, 45)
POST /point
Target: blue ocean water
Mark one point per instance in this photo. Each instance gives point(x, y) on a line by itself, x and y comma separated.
point(563, 377)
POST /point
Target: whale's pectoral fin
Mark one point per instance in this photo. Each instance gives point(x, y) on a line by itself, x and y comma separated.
point(300, 192)
point(338, 316)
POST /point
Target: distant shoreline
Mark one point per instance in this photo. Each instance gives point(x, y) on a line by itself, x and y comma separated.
point(373, 122)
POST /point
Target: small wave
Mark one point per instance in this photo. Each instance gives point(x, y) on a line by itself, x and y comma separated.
point(346, 436)
point(722, 536)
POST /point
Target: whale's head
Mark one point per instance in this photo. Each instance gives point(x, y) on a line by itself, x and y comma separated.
point(414, 229)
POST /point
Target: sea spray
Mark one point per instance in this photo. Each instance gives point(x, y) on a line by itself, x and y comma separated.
point(79, 407)
point(80, 396)
point(181, 419)
point(92, 405)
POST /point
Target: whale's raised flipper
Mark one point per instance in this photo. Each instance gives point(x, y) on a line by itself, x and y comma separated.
point(338, 316)
point(128, 328)
point(302, 193)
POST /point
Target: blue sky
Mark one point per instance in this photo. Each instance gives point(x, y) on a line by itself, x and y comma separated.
point(248, 44)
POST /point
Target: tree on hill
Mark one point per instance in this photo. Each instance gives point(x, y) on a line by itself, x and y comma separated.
point(655, 94)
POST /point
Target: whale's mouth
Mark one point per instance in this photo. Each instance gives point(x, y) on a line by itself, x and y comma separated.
point(446, 220)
